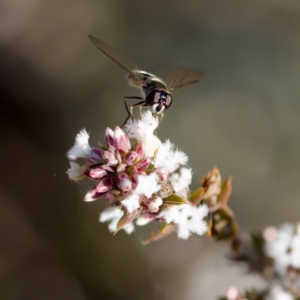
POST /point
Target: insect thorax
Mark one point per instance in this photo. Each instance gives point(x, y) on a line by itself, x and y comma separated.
point(150, 81)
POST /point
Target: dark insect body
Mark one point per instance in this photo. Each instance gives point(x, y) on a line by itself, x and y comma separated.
point(156, 93)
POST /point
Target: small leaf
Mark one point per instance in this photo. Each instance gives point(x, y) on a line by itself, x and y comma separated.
point(174, 199)
point(127, 218)
point(226, 188)
point(164, 230)
point(197, 196)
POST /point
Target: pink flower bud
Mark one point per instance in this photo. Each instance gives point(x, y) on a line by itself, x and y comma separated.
point(142, 164)
point(130, 157)
point(138, 149)
point(109, 137)
point(121, 168)
point(121, 140)
point(110, 158)
point(154, 205)
point(123, 182)
point(109, 196)
point(92, 195)
point(107, 168)
point(163, 176)
point(104, 185)
point(95, 156)
point(134, 181)
point(95, 173)
point(118, 157)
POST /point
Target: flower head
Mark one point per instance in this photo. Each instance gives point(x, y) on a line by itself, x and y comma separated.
point(143, 178)
point(188, 218)
point(283, 246)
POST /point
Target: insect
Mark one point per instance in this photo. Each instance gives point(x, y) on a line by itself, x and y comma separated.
point(156, 93)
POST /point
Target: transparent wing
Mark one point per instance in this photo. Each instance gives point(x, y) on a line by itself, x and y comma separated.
point(179, 77)
point(118, 57)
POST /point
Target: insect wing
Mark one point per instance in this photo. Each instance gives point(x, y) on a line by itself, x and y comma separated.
point(118, 57)
point(180, 77)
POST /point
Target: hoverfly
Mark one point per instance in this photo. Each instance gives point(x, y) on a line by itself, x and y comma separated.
point(156, 93)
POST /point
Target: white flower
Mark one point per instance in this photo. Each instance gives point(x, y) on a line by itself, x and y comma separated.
point(278, 293)
point(131, 202)
point(75, 172)
point(180, 182)
point(114, 214)
point(295, 253)
point(170, 214)
point(81, 147)
point(188, 218)
point(129, 228)
point(142, 220)
point(283, 245)
point(168, 159)
point(147, 185)
point(147, 122)
point(143, 131)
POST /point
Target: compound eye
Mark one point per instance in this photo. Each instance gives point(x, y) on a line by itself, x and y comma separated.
point(153, 97)
point(168, 101)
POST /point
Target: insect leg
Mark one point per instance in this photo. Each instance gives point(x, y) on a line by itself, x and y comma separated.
point(131, 98)
point(162, 115)
point(129, 111)
point(141, 108)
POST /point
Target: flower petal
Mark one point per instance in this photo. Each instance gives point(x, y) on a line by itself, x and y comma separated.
point(111, 195)
point(104, 185)
point(121, 168)
point(142, 164)
point(150, 142)
point(114, 214)
point(123, 182)
point(130, 157)
point(96, 156)
point(147, 184)
point(81, 147)
point(131, 202)
point(169, 159)
point(139, 149)
point(121, 140)
point(75, 172)
point(92, 195)
point(110, 158)
point(155, 204)
point(109, 137)
point(107, 168)
point(96, 173)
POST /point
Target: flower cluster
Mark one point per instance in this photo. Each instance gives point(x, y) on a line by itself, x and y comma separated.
point(275, 255)
point(142, 178)
point(283, 247)
point(274, 293)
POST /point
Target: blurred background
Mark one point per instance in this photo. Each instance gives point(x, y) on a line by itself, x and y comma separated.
point(243, 117)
